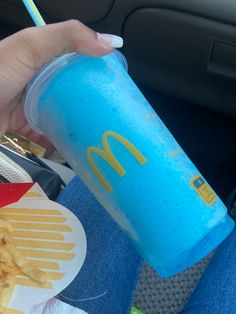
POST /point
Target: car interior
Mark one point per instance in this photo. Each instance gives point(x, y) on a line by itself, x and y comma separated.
point(182, 55)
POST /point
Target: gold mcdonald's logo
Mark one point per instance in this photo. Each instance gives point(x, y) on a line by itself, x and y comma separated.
point(107, 154)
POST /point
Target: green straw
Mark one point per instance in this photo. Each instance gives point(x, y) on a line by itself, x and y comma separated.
point(34, 12)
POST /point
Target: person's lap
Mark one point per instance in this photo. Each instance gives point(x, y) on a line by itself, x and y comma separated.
point(216, 290)
point(107, 280)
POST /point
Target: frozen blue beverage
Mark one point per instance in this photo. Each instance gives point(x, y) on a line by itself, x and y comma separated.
point(98, 119)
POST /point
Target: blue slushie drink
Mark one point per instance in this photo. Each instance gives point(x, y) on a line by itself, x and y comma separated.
point(95, 115)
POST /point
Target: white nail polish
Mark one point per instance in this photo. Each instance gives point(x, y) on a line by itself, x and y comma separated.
point(109, 40)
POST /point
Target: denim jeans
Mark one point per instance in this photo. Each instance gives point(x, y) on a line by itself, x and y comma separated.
point(108, 277)
point(216, 290)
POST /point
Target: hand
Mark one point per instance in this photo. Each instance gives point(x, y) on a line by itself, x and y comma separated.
point(23, 53)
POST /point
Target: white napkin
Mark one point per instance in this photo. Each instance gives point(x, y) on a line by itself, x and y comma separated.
point(55, 306)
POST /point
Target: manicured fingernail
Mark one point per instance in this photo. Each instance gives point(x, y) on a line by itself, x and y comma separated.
point(109, 40)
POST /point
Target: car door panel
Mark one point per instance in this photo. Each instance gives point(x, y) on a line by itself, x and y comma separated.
point(186, 48)
point(188, 56)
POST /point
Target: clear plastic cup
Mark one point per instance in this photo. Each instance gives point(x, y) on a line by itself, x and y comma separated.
point(98, 119)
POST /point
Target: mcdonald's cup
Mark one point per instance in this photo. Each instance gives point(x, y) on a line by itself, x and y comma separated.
point(95, 115)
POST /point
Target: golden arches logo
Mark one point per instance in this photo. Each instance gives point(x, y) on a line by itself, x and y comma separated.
point(107, 154)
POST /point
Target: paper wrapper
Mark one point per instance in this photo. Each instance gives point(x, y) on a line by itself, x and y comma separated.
point(47, 233)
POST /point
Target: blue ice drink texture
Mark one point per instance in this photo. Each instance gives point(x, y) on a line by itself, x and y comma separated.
point(99, 120)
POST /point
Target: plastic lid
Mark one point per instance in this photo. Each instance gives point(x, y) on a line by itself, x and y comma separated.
point(121, 58)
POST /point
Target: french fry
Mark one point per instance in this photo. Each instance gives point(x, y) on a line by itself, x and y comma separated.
point(34, 273)
point(7, 269)
point(11, 262)
point(5, 256)
point(6, 237)
point(16, 255)
point(6, 225)
point(24, 265)
point(7, 290)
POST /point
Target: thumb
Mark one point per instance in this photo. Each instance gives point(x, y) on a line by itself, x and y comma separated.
point(26, 51)
point(44, 43)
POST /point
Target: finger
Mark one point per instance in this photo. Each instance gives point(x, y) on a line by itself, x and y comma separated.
point(45, 43)
point(26, 131)
point(18, 124)
point(25, 52)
